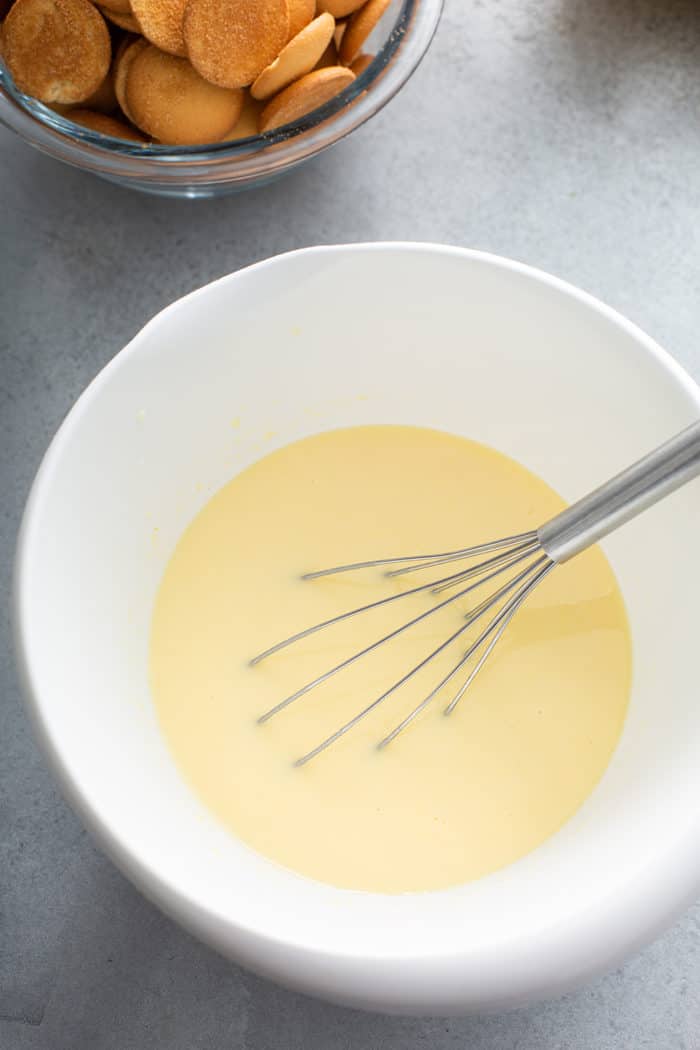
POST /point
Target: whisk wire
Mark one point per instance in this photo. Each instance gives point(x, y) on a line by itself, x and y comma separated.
point(434, 585)
point(499, 624)
point(503, 618)
point(429, 559)
point(472, 618)
point(320, 679)
point(518, 543)
point(380, 699)
point(506, 561)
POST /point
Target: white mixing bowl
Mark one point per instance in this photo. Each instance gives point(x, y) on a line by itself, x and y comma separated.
point(330, 337)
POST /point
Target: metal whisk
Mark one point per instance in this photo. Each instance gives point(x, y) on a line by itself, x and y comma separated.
point(531, 556)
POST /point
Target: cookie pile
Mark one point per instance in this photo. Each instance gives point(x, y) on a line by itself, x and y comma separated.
point(186, 72)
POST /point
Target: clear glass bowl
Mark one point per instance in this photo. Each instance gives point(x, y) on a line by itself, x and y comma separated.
point(225, 167)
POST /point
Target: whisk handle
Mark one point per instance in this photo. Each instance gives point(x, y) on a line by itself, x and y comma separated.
point(623, 497)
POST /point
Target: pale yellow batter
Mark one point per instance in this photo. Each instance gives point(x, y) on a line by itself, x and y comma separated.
point(452, 799)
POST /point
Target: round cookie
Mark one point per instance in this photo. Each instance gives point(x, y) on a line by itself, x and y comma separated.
point(127, 52)
point(300, 14)
point(298, 57)
point(247, 124)
point(339, 8)
point(329, 57)
point(122, 7)
point(359, 28)
point(88, 118)
point(304, 95)
point(124, 21)
point(104, 99)
point(161, 23)
point(170, 101)
point(360, 63)
point(230, 42)
point(56, 50)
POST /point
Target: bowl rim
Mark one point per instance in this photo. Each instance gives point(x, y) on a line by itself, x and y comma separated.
point(667, 890)
point(235, 161)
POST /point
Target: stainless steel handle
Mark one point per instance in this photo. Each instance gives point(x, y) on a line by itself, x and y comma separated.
point(623, 497)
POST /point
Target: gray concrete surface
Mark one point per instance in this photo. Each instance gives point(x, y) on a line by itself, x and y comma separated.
point(561, 132)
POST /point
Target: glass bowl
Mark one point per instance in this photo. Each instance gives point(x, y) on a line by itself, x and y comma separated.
point(224, 167)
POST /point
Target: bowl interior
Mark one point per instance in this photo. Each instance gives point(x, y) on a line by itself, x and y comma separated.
point(334, 337)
